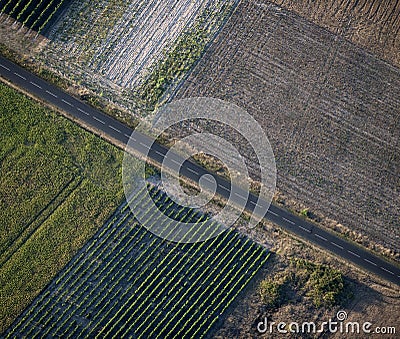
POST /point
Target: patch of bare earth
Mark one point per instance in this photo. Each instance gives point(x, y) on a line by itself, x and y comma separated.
point(373, 300)
point(23, 40)
point(331, 112)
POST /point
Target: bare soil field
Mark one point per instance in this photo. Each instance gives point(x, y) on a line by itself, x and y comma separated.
point(330, 110)
point(372, 24)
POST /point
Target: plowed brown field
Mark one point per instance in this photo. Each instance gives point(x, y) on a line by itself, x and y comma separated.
point(330, 109)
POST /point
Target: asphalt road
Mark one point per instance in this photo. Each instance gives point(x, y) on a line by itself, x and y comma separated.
point(114, 129)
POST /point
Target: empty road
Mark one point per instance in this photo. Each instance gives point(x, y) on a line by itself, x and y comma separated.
point(116, 130)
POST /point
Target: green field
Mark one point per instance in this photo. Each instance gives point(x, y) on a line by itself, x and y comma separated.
point(58, 185)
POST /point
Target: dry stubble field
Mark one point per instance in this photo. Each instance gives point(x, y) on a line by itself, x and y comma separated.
point(330, 110)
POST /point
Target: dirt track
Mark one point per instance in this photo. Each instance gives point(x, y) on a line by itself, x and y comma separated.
point(330, 109)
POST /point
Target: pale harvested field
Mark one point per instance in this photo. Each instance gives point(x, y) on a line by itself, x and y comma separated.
point(373, 24)
point(111, 47)
point(120, 40)
point(330, 110)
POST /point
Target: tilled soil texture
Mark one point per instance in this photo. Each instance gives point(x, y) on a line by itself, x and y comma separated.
point(372, 24)
point(330, 110)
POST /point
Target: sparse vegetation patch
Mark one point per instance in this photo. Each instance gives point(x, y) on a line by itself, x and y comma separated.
point(321, 284)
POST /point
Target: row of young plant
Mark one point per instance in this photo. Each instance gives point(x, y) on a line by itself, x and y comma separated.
point(175, 255)
point(69, 274)
point(136, 283)
point(228, 299)
point(128, 275)
point(200, 274)
point(177, 275)
point(179, 296)
point(116, 278)
point(83, 273)
point(134, 263)
point(140, 302)
point(41, 313)
point(239, 277)
point(34, 14)
point(144, 277)
point(202, 296)
point(78, 271)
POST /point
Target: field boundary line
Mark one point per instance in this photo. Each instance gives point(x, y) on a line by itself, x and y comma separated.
point(171, 93)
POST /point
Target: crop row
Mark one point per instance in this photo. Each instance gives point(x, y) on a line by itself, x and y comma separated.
point(127, 281)
point(34, 14)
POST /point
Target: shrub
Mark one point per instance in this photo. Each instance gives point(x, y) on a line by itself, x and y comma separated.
point(273, 292)
point(323, 285)
point(326, 286)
